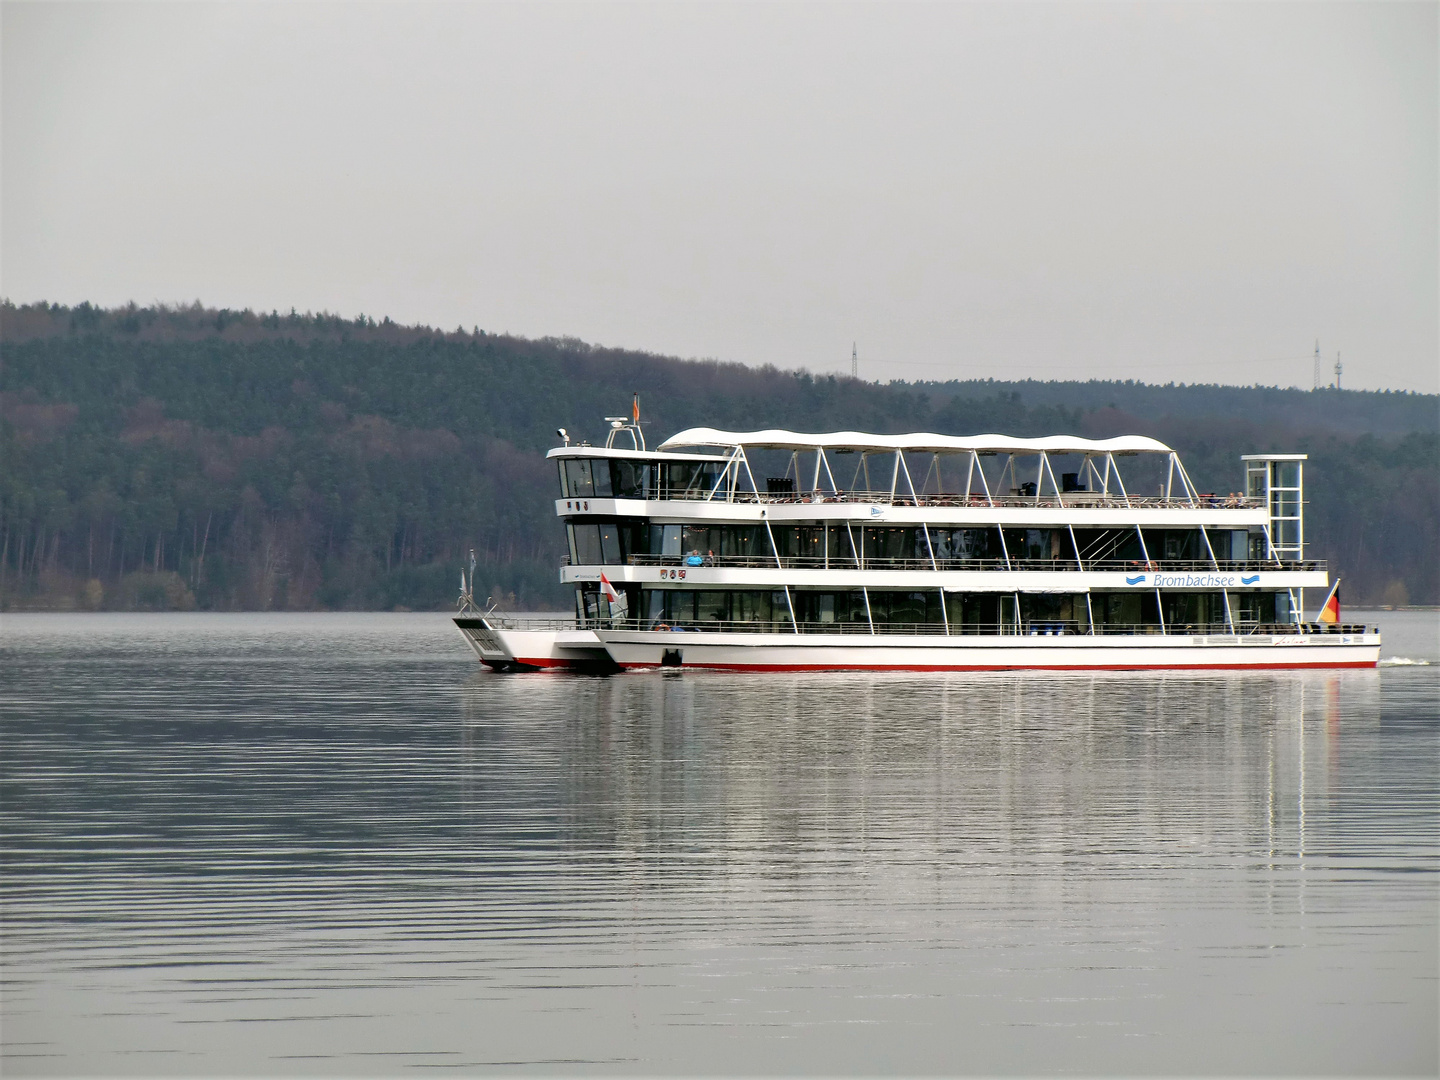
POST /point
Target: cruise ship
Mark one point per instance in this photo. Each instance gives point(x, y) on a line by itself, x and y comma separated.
point(784, 551)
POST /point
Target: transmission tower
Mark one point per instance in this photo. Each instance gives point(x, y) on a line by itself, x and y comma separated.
point(1337, 369)
point(1319, 368)
point(855, 360)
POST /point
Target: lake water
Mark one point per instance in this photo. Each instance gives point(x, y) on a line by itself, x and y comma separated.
point(332, 844)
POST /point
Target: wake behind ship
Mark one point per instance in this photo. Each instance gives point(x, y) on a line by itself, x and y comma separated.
point(922, 552)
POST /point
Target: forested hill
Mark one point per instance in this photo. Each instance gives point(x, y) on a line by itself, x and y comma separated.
point(189, 457)
point(1348, 413)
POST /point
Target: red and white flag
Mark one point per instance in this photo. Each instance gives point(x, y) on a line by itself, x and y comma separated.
point(609, 590)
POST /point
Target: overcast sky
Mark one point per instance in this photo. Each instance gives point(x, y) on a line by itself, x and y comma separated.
point(1156, 192)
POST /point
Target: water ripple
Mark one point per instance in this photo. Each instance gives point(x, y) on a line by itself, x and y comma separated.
point(331, 845)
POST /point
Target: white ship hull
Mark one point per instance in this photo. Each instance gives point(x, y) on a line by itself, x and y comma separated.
point(639, 649)
point(551, 648)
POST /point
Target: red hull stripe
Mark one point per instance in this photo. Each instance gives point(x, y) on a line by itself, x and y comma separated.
point(562, 665)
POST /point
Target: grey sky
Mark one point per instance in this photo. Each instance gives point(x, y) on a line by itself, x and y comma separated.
point(1160, 192)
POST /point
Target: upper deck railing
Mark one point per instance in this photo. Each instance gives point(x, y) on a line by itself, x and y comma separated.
point(1027, 627)
point(844, 562)
point(1068, 501)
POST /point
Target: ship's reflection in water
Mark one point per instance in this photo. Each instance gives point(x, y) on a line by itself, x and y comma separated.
point(346, 851)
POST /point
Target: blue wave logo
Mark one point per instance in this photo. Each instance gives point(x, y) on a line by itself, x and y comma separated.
point(1140, 580)
point(1249, 580)
point(875, 511)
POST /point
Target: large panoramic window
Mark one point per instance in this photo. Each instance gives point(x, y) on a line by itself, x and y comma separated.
point(1125, 608)
point(693, 480)
point(829, 607)
point(631, 479)
point(965, 545)
point(687, 606)
point(972, 612)
point(1044, 545)
point(1059, 609)
point(905, 607)
point(1262, 608)
point(882, 542)
point(1183, 544)
point(583, 478)
point(1184, 609)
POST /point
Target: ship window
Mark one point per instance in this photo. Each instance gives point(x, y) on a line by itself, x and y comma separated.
point(692, 480)
point(824, 607)
point(630, 479)
point(578, 484)
point(1194, 610)
point(905, 607)
point(800, 540)
point(840, 543)
point(1287, 474)
point(712, 606)
point(1285, 504)
point(965, 544)
point(1053, 608)
point(1257, 607)
point(757, 606)
point(895, 543)
point(1175, 544)
point(610, 543)
point(1007, 610)
point(665, 539)
point(587, 545)
point(635, 538)
point(600, 471)
point(972, 609)
point(1042, 544)
point(684, 606)
point(594, 608)
point(1122, 608)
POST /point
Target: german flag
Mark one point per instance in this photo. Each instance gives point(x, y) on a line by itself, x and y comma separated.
point(1330, 610)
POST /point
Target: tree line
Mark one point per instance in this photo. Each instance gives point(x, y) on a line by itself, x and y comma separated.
point(172, 458)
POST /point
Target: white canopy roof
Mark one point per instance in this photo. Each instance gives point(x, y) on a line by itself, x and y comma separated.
point(922, 442)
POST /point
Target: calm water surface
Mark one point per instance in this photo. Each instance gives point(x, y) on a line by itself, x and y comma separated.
point(330, 844)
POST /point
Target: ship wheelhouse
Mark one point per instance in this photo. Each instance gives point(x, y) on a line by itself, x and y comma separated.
point(851, 533)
